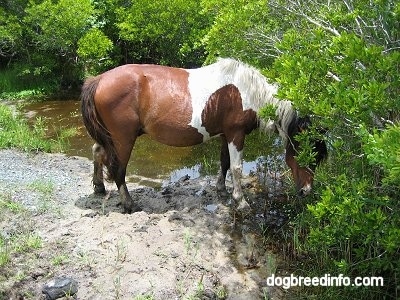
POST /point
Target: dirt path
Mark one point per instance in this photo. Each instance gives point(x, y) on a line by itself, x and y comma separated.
point(185, 244)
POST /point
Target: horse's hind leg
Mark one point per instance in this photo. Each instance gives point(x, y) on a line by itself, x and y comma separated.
point(98, 161)
point(129, 206)
point(124, 139)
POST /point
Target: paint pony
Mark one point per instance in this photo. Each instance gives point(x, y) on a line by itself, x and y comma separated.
point(181, 107)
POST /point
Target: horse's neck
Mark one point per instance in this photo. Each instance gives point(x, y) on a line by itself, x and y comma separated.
point(254, 89)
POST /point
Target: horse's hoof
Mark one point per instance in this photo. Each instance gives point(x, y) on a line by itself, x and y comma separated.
point(99, 189)
point(222, 193)
point(132, 209)
point(243, 206)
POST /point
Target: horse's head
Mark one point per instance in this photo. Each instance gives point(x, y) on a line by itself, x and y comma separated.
point(303, 175)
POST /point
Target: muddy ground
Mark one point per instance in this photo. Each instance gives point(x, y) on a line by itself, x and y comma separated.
point(185, 244)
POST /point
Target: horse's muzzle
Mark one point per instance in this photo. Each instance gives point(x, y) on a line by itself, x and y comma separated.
point(304, 191)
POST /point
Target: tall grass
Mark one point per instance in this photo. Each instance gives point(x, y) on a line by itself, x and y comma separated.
point(15, 132)
point(13, 86)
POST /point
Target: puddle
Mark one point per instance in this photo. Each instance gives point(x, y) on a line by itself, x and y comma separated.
point(211, 208)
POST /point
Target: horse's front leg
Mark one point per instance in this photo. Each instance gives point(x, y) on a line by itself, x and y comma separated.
point(236, 155)
point(98, 162)
point(225, 164)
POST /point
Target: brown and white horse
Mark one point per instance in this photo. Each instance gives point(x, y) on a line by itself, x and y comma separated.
point(181, 107)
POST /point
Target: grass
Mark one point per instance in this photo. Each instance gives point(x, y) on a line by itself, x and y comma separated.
point(59, 259)
point(21, 240)
point(16, 86)
point(7, 203)
point(45, 187)
point(144, 297)
point(20, 245)
point(191, 288)
point(45, 190)
point(15, 132)
point(5, 253)
point(26, 241)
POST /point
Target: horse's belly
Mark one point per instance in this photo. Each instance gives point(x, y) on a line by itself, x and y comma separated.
point(172, 134)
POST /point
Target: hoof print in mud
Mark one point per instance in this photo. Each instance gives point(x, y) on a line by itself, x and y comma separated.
point(60, 287)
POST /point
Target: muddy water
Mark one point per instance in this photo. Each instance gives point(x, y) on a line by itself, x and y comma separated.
point(151, 162)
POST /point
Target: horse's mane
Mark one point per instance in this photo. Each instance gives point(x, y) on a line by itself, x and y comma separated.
point(259, 92)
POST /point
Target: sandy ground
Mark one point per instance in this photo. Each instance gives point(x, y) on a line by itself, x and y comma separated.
point(185, 244)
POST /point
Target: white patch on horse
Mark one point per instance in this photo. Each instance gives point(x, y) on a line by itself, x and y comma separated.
point(254, 89)
point(203, 82)
point(236, 170)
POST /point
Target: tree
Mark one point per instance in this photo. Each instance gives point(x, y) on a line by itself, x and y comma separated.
point(54, 29)
point(234, 27)
point(11, 29)
point(165, 32)
point(93, 49)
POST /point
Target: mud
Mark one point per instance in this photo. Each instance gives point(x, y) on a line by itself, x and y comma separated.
point(186, 243)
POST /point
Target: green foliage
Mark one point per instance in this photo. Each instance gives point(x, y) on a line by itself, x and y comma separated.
point(16, 133)
point(349, 82)
point(268, 112)
point(383, 150)
point(356, 231)
point(61, 42)
point(233, 32)
point(10, 32)
point(336, 77)
point(17, 83)
point(94, 44)
point(94, 48)
point(166, 32)
point(306, 156)
point(55, 27)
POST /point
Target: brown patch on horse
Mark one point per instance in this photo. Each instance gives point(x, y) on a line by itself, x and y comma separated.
point(164, 105)
point(224, 114)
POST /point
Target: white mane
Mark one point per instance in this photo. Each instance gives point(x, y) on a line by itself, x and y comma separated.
point(256, 92)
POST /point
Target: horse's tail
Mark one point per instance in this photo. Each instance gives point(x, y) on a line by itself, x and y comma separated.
point(96, 127)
